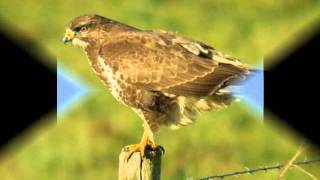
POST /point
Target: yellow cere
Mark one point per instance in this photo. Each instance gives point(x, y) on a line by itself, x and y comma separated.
point(69, 35)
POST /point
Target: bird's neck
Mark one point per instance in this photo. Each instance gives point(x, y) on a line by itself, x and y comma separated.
point(92, 54)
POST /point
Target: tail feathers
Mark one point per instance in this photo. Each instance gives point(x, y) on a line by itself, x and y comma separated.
point(186, 109)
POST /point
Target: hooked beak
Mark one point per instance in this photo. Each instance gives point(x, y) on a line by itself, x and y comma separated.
point(68, 36)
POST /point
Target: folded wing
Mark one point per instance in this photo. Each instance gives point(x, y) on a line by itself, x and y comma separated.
point(167, 63)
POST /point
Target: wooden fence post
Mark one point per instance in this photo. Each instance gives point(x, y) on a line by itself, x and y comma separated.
point(140, 168)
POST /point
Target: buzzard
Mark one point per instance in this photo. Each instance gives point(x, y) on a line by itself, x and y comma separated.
point(166, 78)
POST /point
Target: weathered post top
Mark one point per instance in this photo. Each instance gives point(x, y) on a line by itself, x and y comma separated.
point(140, 168)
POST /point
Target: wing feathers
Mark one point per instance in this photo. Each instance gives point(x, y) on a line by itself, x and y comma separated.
point(207, 85)
point(169, 65)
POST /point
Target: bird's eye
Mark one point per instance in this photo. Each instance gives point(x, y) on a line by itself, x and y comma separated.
point(83, 28)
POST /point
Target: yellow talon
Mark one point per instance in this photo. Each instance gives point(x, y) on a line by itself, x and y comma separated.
point(144, 144)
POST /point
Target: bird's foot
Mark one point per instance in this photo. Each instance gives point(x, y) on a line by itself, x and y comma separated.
point(142, 147)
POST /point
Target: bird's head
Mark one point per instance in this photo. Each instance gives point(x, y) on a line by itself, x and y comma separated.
point(85, 30)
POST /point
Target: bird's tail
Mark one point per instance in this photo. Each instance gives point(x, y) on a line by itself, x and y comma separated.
point(186, 109)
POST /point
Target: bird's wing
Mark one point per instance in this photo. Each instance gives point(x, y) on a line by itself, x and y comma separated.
point(168, 63)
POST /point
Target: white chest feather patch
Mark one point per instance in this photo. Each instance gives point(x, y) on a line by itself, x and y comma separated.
point(79, 43)
point(111, 77)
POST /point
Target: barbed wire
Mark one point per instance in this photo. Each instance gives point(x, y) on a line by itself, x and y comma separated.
point(252, 171)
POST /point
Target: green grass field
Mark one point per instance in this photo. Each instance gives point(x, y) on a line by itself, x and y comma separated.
point(87, 143)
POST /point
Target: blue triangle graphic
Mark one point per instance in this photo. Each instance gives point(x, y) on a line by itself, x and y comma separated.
point(69, 90)
point(252, 91)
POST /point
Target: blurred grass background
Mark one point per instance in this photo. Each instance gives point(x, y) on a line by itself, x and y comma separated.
point(87, 143)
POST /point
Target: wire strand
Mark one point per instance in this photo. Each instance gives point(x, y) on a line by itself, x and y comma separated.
point(251, 171)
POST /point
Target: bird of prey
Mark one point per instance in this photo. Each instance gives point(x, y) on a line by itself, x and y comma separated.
point(166, 78)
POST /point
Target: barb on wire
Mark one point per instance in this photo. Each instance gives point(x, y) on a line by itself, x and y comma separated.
point(252, 171)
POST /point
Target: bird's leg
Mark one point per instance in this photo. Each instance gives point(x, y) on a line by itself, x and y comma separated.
point(146, 141)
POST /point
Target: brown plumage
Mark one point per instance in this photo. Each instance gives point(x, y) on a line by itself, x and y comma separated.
point(166, 78)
